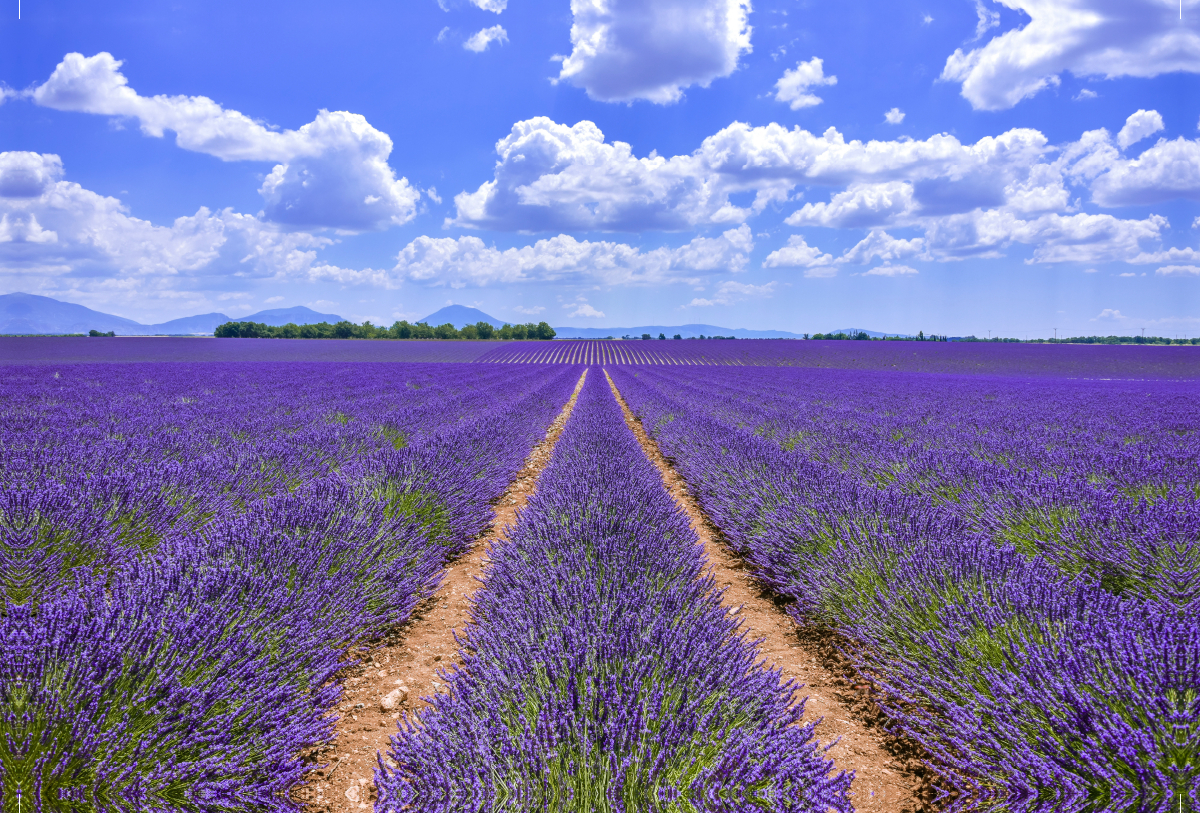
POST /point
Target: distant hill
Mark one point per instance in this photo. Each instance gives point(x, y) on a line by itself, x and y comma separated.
point(460, 316)
point(30, 313)
point(298, 315)
point(686, 331)
point(874, 334)
point(204, 323)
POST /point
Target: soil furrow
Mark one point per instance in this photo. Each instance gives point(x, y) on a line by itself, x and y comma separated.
point(885, 782)
point(396, 676)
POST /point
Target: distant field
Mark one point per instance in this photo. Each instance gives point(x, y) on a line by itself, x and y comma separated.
point(1069, 361)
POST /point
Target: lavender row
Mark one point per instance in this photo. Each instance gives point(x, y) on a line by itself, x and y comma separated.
point(1099, 477)
point(600, 671)
point(102, 461)
point(1034, 686)
point(188, 667)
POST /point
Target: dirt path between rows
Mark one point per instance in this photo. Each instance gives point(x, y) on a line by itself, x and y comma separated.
point(882, 784)
point(397, 675)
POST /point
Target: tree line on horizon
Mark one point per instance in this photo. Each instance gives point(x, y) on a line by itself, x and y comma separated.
point(921, 336)
point(480, 331)
point(483, 331)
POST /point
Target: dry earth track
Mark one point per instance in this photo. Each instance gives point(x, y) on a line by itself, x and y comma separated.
point(412, 657)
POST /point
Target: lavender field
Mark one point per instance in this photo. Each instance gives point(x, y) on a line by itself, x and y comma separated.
point(195, 538)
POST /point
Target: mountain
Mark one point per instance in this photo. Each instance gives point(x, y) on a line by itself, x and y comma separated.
point(686, 331)
point(460, 316)
point(298, 315)
point(207, 323)
point(204, 323)
point(30, 313)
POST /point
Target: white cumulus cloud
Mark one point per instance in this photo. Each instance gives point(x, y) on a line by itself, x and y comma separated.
point(332, 172)
point(889, 270)
point(491, 5)
point(1168, 170)
point(1108, 38)
point(1109, 315)
point(1077, 238)
point(583, 309)
point(793, 87)
point(797, 254)
point(16, 228)
point(468, 261)
point(480, 40)
point(624, 50)
point(972, 200)
point(728, 293)
point(56, 236)
point(986, 19)
point(859, 206)
point(552, 176)
point(1179, 270)
point(1139, 125)
point(894, 116)
point(1170, 255)
point(881, 245)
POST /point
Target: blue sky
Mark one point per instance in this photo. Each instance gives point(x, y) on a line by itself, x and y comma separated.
point(953, 166)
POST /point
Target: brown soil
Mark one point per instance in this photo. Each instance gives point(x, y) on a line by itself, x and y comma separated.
point(887, 776)
point(411, 658)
